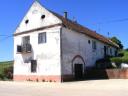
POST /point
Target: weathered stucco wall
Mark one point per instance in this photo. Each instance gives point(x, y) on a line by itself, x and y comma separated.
point(35, 21)
point(47, 54)
point(75, 45)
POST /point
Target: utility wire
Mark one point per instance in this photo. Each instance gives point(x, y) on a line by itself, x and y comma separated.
point(119, 20)
point(114, 21)
point(99, 24)
point(6, 37)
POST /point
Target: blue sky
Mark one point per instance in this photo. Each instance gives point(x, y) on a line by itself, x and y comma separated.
point(102, 16)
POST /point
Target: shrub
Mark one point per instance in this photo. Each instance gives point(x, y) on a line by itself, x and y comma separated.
point(120, 54)
point(8, 72)
point(116, 60)
point(113, 62)
point(125, 60)
point(108, 62)
point(103, 63)
point(119, 60)
point(1, 76)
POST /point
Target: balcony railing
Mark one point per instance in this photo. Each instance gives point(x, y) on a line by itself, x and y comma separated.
point(24, 48)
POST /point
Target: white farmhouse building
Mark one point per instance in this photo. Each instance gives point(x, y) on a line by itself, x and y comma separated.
point(50, 47)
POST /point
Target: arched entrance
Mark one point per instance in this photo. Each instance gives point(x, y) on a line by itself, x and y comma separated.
point(78, 66)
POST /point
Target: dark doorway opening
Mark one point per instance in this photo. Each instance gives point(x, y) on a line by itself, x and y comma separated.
point(78, 68)
point(33, 66)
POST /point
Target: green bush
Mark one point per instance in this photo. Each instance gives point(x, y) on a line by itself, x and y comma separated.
point(119, 60)
point(6, 70)
point(116, 59)
point(1, 76)
point(103, 63)
point(120, 54)
point(125, 60)
point(113, 62)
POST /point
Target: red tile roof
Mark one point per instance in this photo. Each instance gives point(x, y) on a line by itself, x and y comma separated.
point(79, 28)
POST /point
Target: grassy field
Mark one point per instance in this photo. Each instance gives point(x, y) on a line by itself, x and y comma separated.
point(6, 70)
point(125, 54)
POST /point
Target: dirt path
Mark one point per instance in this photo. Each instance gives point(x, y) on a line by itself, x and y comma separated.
point(81, 88)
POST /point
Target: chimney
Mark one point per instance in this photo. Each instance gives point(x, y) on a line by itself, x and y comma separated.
point(74, 20)
point(65, 14)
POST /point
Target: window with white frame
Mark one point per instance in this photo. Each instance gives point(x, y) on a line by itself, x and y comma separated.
point(42, 38)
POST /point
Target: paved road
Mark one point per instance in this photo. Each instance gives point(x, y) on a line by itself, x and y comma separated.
point(81, 88)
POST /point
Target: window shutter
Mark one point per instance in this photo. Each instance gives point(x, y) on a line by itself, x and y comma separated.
point(19, 48)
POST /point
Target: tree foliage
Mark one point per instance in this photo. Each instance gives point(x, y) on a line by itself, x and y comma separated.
point(117, 41)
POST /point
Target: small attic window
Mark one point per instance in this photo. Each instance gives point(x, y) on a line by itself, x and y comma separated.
point(26, 21)
point(89, 41)
point(43, 16)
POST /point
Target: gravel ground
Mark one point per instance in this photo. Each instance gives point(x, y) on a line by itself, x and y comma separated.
point(115, 87)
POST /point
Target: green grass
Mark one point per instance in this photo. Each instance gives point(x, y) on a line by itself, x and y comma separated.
point(125, 54)
point(6, 70)
point(5, 65)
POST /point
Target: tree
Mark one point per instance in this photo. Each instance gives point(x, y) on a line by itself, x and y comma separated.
point(117, 41)
point(126, 49)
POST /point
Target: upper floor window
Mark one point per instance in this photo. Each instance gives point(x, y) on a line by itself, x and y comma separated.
point(26, 40)
point(26, 46)
point(94, 46)
point(42, 38)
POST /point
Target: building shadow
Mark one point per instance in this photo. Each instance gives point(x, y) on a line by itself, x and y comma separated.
point(92, 75)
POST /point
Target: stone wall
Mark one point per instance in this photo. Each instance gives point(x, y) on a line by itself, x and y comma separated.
point(107, 74)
